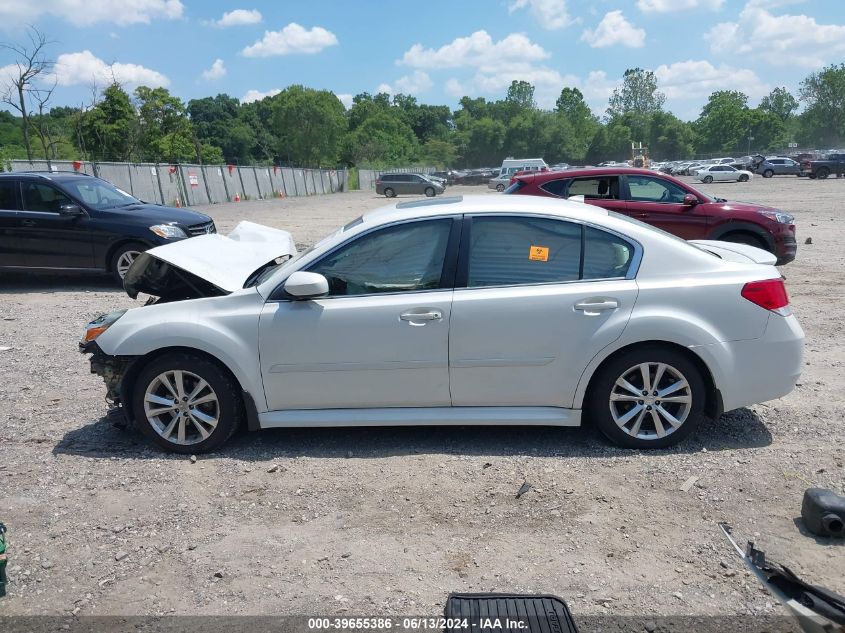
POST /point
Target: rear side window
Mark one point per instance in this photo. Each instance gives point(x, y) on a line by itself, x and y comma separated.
point(520, 250)
point(8, 200)
point(555, 187)
point(597, 188)
point(606, 256)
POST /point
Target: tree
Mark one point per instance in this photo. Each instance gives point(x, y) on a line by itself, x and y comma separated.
point(383, 139)
point(780, 103)
point(582, 123)
point(824, 94)
point(29, 66)
point(521, 95)
point(724, 122)
point(109, 130)
point(220, 122)
point(310, 125)
point(165, 130)
point(637, 95)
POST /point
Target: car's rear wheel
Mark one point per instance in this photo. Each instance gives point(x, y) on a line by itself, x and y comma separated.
point(500, 187)
point(389, 193)
point(768, 173)
point(708, 179)
point(429, 192)
point(744, 177)
point(122, 259)
point(651, 397)
point(823, 173)
point(186, 403)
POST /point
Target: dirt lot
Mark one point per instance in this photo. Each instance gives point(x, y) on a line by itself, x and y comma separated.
point(389, 521)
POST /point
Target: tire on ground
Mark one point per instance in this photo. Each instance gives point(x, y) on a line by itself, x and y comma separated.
point(230, 403)
point(115, 260)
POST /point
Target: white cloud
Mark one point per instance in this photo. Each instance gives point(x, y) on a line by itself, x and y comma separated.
point(256, 95)
point(239, 17)
point(698, 79)
point(345, 99)
point(290, 40)
point(15, 13)
point(551, 14)
point(477, 50)
point(413, 84)
point(613, 29)
point(780, 40)
point(217, 70)
point(85, 68)
point(667, 6)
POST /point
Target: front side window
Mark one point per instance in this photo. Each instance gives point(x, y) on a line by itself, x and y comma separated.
point(596, 188)
point(523, 250)
point(99, 194)
point(403, 258)
point(39, 197)
point(650, 189)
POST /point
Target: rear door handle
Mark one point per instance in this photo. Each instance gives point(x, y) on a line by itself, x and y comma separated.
point(427, 315)
point(595, 306)
point(29, 222)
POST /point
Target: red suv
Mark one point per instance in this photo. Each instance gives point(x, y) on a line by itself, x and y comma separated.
point(669, 204)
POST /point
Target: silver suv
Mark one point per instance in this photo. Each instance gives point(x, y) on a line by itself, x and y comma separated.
point(392, 185)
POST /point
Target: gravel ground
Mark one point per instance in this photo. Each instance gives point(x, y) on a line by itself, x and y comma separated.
point(365, 521)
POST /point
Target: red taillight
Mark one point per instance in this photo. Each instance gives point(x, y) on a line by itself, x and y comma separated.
point(378, 182)
point(769, 294)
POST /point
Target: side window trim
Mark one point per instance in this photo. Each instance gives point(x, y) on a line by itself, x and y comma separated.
point(447, 275)
point(16, 193)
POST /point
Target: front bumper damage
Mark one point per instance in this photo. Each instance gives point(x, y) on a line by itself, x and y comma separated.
point(112, 369)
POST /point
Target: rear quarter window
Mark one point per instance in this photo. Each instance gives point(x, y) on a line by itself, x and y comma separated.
point(555, 187)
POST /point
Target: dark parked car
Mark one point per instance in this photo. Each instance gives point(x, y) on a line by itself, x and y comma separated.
point(669, 204)
point(832, 164)
point(71, 221)
point(392, 185)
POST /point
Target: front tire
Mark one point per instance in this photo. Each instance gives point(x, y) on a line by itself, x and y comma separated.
point(744, 238)
point(707, 180)
point(744, 177)
point(500, 188)
point(122, 259)
point(186, 403)
point(650, 397)
point(429, 192)
point(768, 173)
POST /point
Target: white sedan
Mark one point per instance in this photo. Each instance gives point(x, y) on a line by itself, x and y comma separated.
point(722, 173)
point(482, 310)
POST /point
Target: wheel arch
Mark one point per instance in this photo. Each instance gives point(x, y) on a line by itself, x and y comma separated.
point(713, 404)
point(743, 227)
point(113, 247)
point(127, 383)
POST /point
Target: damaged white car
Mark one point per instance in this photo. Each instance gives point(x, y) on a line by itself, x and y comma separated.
point(482, 310)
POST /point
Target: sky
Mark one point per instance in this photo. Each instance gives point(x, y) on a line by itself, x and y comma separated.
point(437, 50)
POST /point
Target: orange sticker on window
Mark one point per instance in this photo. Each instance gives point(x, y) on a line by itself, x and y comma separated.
point(538, 253)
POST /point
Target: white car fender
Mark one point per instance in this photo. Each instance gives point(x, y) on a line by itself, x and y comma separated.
point(211, 325)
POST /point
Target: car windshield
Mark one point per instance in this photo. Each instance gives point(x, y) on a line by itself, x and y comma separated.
point(99, 193)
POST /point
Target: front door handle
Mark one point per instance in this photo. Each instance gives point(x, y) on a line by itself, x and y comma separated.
point(423, 315)
point(29, 222)
point(597, 305)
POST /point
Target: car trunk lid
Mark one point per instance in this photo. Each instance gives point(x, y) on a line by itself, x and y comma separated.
point(734, 252)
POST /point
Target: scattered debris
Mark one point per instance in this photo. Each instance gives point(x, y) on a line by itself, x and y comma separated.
point(218, 573)
point(193, 459)
point(525, 487)
point(273, 469)
point(4, 348)
point(689, 483)
point(121, 554)
point(823, 512)
point(809, 240)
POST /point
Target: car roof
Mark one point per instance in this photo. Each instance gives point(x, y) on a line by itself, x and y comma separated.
point(57, 176)
point(542, 176)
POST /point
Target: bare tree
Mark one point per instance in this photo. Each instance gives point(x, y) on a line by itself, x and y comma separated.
point(40, 97)
point(30, 63)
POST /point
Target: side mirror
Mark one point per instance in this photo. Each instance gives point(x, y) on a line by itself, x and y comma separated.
point(71, 210)
point(690, 200)
point(303, 285)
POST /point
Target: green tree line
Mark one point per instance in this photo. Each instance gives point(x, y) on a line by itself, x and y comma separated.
point(307, 127)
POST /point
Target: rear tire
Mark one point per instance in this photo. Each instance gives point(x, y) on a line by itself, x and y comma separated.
point(822, 173)
point(632, 419)
point(744, 178)
point(389, 193)
point(707, 180)
point(500, 188)
point(429, 192)
point(122, 259)
point(768, 173)
point(162, 403)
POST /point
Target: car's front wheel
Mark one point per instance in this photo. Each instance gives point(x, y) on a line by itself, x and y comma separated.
point(744, 178)
point(651, 397)
point(186, 403)
point(429, 192)
point(768, 173)
point(122, 259)
point(500, 187)
point(708, 179)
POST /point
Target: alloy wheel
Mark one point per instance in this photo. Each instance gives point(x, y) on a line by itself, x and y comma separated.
point(125, 261)
point(650, 400)
point(181, 407)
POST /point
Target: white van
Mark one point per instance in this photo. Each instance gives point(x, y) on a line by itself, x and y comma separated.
point(512, 165)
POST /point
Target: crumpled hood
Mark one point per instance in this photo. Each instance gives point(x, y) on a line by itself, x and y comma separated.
point(734, 252)
point(223, 262)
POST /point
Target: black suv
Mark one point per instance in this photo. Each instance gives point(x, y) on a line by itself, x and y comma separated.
point(76, 222)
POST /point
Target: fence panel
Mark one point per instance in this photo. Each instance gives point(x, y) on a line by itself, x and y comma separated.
point(144, 178)
point(117, 174)
point(55, 165)
point(193, 180)
point(247, 175)
point(299, 182)
point(276, 181)
point(171, 187)
point(265, 186)
point(216, 182)
point(290, 182)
